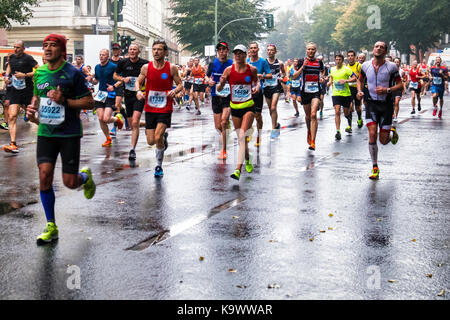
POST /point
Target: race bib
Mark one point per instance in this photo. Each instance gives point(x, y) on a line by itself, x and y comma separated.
point(50, 112)
point(414, 85)
point(19, 84)
point(241, 92)
point(130, 85)
point(271, 82)
point(311, 87)
point(296, 83)
point(225, 91)
point(101, 96)
point(157, 99)
point(198, 81)
point(338, 86)
point(437, 80)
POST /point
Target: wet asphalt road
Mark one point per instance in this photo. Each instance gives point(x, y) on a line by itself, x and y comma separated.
point(303, 225)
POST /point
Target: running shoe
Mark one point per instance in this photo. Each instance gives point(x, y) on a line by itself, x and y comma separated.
point(107, 143)
point(113, 131)
point(188, 107)
point(249, 165)
point(89, 187)
point(132, 155)
point(348, 129)
point(12, 148)
point(198, 113)
point(360, 123)
point(4, 126)
point(222, 155)
point(275, 132)
point(338, 135)
point(394, 138)
point(158, 172)
point(413, 111)
point(395, 119)
point(119, 121)
point(434, 111)
point(50, 234)
point(236, 174)
point(166, 143)
point(312, 146)
point(297, 114)
point(375, 174)
point(440, 114)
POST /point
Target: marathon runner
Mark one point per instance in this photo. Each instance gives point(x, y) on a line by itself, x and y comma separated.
point(273, 88)
point(188, 83)
point(425, 81)
point(20, 71)
point(127, 72)
point(243, 81)
point(60, 92)
point(105, 97)
point(380, 74)
point(220, 99)
point(6, 101)
point(439, 74)
point(296, 84)
point(313, 71)
point(415, 86)
point(323, 87)
point(198, 72)
point(116, 58)
point(264, 72)
point(287, 85)
point(158, 77)
point(397, 95)
point(340, 77)
point(355, 66)
point(79, 64)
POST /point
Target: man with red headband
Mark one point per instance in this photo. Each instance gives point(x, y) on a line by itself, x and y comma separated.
point(60, 93)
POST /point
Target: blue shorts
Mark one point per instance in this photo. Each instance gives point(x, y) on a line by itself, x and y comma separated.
point(438, 90)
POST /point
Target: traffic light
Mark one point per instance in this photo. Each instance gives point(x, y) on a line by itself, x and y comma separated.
point(120, 5)
point(269, 21)
point(125, 42)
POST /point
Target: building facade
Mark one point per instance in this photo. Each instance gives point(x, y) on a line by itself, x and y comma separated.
point(142, 20)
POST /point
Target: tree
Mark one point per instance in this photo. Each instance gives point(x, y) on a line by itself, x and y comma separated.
point(193, 22)
point(15, 10)
point(289, 35)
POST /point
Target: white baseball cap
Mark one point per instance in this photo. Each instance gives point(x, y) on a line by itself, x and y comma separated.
point(240, 47)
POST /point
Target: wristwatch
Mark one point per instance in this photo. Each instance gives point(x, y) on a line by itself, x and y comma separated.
point(388, 90)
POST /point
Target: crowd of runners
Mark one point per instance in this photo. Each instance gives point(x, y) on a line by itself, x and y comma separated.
point(237, 84)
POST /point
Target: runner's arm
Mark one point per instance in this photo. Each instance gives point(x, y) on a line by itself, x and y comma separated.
point(177, 80)
point(140, 82)
point(256, 82)
point(223, 79)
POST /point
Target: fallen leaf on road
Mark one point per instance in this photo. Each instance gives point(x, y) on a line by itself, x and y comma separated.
point(232, 270)
point(414, 240)
point(235, 217)
point(330, 228)
point(273, 286)
point(429, 275)
point(322, 231)
point(273, 241)
point(311, 239)
point(379, 219)
point(120, 202)
point(330, 215)
point(440, 294)
point(89, 238)
point(201, 258)
point(241, 286)
point(391, 281)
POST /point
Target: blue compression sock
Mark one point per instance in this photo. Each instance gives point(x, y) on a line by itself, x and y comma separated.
point(48, 202)
point(84, 176)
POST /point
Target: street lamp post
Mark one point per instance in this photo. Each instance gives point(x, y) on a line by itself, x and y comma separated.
point(215, 23)
point(96, 16)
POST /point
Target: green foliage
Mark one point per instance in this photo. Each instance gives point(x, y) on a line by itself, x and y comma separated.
point(342, 25)
point(289, 36)
point(15, 10)
point(193, 22)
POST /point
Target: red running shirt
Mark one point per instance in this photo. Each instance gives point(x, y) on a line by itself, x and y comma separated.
point(159, 84)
